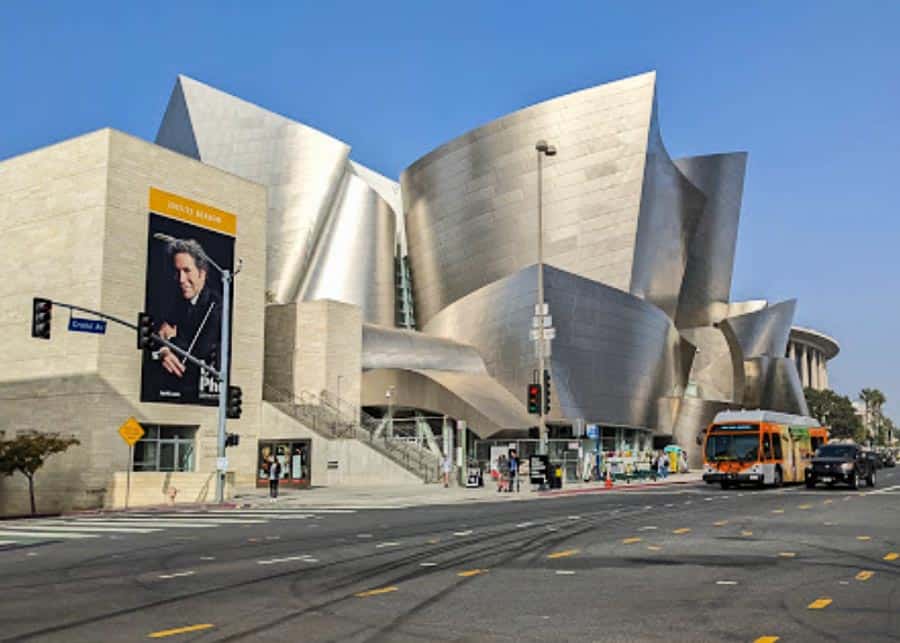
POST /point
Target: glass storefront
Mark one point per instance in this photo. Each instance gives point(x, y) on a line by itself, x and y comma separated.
point(165, 448)
point(292, 455)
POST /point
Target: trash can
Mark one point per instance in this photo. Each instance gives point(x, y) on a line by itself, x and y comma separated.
point(556, 476)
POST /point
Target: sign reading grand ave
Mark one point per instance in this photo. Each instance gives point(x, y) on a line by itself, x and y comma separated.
point(184, 296)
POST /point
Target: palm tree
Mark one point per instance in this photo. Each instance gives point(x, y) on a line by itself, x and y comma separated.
point(874, 400)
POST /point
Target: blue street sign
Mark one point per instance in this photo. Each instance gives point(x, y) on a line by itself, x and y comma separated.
point(80, 325)
point(593, 431)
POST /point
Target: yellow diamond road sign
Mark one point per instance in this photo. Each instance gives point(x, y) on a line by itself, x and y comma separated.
point(131, 431)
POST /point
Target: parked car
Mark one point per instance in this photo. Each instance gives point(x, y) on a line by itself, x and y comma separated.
point(846, 463)
point(887, 458)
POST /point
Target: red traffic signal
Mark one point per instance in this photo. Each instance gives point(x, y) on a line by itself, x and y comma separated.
point(534, 398)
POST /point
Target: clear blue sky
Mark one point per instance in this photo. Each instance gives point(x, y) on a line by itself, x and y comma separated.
point(810, 89)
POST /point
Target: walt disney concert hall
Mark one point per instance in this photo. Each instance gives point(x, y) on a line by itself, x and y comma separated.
point(638, 252)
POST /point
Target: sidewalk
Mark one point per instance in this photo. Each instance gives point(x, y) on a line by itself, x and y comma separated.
point(398, 497)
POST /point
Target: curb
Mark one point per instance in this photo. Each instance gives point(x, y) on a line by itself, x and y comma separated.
point(619, 487)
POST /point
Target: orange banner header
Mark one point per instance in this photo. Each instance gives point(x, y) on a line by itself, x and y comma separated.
point(199, 214)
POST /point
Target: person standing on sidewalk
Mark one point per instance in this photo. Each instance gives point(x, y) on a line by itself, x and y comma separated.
point(663, 464)
point(447, 469)
point(274, 477)
point(513, 471)
point(503, 473)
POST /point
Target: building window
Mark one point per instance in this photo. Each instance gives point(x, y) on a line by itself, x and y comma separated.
point(165, 448)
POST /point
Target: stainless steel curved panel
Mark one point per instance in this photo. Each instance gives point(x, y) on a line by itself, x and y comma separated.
point(353, 260)
point(773, 384)
point(301, 167)
point(613, 357)
point(671, 208)
point(713, 370)
point(764, 332)
point(407, 349)
point(706, 289)
point(694, 416)
point(485, 405)
point(470, 205)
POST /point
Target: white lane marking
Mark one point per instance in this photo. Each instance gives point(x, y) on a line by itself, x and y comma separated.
point(176, 524)
point(574, 517)
point(726, 582)
point(389, 544)
point(669, 505)
point(647, 528)
point(31, 553)
point(427, 564)
point(301, 510)
point(207, 558)
point(272, 561)
point(44, 534)
point(194, 519)
point(178, 575)
point(551, 528)
point(69, 527)
point(467, 532)
point(522, 525)
point(7, 542)
point(363, 535)
point(887, 489)
point(564, 572)
point(310, 560)
point(648, 506)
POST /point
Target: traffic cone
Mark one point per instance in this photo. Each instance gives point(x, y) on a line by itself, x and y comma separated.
point(609, 481)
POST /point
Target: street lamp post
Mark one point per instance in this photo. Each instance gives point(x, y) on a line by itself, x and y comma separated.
point(389, 394)
point(542, 149)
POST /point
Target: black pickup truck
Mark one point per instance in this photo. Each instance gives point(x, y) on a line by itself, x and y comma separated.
point(848, 463)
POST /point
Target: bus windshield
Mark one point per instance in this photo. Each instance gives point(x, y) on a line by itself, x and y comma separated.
point(740, 447)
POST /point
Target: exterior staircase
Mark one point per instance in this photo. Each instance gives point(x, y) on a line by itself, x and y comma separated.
point(337, 420)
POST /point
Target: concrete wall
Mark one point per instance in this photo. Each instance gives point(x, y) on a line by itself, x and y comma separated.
point(154, 488)
point(310, 345)
point(73, 227)
point(357, 464)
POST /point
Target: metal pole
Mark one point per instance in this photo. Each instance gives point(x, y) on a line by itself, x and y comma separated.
point(542, 425)
point(128, 473)
point(223, 384)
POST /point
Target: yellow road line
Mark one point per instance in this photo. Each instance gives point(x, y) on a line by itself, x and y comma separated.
point(864, 575)
point(864, 538)
point(803, 506)
point(819, 603)
point(746, 533)
point(180, 630)
point(563, 554)
point(376, 592)
point(892, 556)
point(682, 530)
point(766, 639)
point(720, 523)
point(654, 547)
point(786, 554)
point(629, 541)
point(828, 502)
point(778, 511)
point(471, 572)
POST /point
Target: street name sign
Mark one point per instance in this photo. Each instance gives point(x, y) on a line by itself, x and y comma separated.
point(81, 325)
point(131, 431)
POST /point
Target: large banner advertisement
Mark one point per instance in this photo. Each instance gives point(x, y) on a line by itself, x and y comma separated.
point(184, 296)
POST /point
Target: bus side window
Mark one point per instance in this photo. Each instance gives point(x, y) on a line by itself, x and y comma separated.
point(776, 441)
point(767, 446)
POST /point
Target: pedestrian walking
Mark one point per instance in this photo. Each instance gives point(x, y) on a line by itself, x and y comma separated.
point(274, 477)
point(447, 469)
point(513, 471)
point(663, 465)
point(503, 473)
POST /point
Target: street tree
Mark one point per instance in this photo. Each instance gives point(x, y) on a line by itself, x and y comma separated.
point(874, 401)
point(836, 412)
point(27, 452)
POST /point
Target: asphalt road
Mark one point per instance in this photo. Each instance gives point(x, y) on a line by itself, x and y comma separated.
point(692, 563)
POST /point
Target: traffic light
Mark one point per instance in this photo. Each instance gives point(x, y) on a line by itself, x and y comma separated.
point(144, 331)
point(232, 440)
point(41, 313)
point(546, 392)
point(534, 398)
point(233, 405)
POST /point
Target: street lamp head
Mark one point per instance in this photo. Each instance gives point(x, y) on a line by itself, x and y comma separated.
point(551, 150)
point(541, 146)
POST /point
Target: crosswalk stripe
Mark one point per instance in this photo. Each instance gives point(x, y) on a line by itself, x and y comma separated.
point(193, 520)
point(306, 510)
point(90, 528)
point(7, 542)
point(150, 524)
point(43, 534)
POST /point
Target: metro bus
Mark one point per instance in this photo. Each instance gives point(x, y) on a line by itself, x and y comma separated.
point(760, 447)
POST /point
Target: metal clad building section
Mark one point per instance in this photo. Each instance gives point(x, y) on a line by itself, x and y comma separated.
point(470, 205)
point(614, 356)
